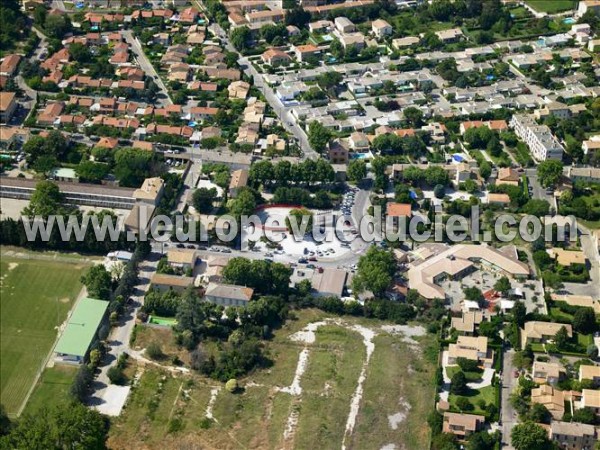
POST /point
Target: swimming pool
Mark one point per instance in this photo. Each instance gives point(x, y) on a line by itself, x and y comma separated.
point(569, 21)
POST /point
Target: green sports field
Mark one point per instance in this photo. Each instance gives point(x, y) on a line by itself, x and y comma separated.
point(35, 297)
point(551, 6)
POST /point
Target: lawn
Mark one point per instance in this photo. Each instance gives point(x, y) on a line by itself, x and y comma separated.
point(35, 297)
point(475, 396)
point(52, 388)
point(551, 6)
point(470, 376)
point(169, 411)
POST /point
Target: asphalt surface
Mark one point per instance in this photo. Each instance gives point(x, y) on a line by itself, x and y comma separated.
point(147, 67)
point(507, 412)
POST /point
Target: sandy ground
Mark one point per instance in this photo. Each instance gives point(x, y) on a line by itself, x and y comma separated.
point(211, 403)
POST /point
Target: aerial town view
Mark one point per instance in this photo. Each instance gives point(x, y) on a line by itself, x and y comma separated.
point(300, 224)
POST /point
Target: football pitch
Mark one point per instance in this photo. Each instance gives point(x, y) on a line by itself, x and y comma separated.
point(35, 298)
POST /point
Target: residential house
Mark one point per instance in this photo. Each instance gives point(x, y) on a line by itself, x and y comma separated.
point(305, 52)
point(320, 26)
point(344, 25)
point(542, 332)
point(165, 283)
point(359, 142)
point(471, 348)
point(509, 176)
point(238, 89)
point(8, 105)
point(356, 40)
point(239, 179)
point(381, 28)
point(590, 398)
point(275, 57)
point(547, 372)
point(462, 425)
point(590, 373)
point(203, 112)
point(404, 42)
point(573, 435)
point(9, 65)
point(551, 398)
point(338, 152)
point(467, 323)
point(451, 35)
point(228, 294)
point(107, 142)
point(182, 259)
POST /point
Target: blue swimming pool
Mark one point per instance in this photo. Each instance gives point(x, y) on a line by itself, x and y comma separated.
point(569, 21)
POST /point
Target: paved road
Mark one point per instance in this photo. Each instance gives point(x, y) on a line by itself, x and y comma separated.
point(538, 191)
point(147, 66)
point(507, 412)
point(283, 113)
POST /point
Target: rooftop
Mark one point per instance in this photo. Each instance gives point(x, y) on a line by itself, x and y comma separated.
point(81, 327)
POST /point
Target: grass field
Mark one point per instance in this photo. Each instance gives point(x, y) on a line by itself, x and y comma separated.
point(169, 411)
point(551, 6)
point(52, 388)
point(36, 296)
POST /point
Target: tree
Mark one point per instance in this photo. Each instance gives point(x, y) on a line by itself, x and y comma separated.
point(519, 313)
point(98, 282)
point(414, 116)
point(561, 338)
point(79, 52)
point(241, 37)
point(92, 172)
point(549, 172)
point(592, 351)
point(439, 191)
point(116, 376)
point(375, 271)
point(297, 214)
point(57, 25)
point(536, 207)
point(585, 415)
point(5, 424)
point(502, 285)
point(584, 320)
point(329, 80)
point(45, 200)
point(529, 436)
point(81, 385)
point(132, 166)
point(357, 170)
point(297, 16)
point(539, 414)
point(69, 425)
point(318, 136)
point(203, 199)
point(243, 204)
point(464, 404)
point(467, 365)
point(485, 170)
point(458, 383)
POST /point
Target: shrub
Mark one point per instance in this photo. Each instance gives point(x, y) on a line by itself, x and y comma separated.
point(232, 386)
point(116, 376)
point(154, 351)
point(463, 404)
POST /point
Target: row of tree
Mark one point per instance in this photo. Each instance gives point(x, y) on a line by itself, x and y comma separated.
point(284, 173)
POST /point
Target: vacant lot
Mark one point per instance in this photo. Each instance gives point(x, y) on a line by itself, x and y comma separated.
point(285, 407)
point(35, 297)
point(53, 388)
point(551, 6)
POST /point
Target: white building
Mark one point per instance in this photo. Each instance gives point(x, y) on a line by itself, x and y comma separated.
point(540, 140)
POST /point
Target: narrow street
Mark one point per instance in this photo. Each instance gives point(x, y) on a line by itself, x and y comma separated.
point(283, 114)
point(118, 340)
point(147, 67)
point(507, 412)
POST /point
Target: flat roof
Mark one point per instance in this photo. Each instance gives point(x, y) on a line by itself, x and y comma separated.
point(81, 327)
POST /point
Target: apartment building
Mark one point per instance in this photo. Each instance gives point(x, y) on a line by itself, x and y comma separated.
point(573, 435)
point(540, 140)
